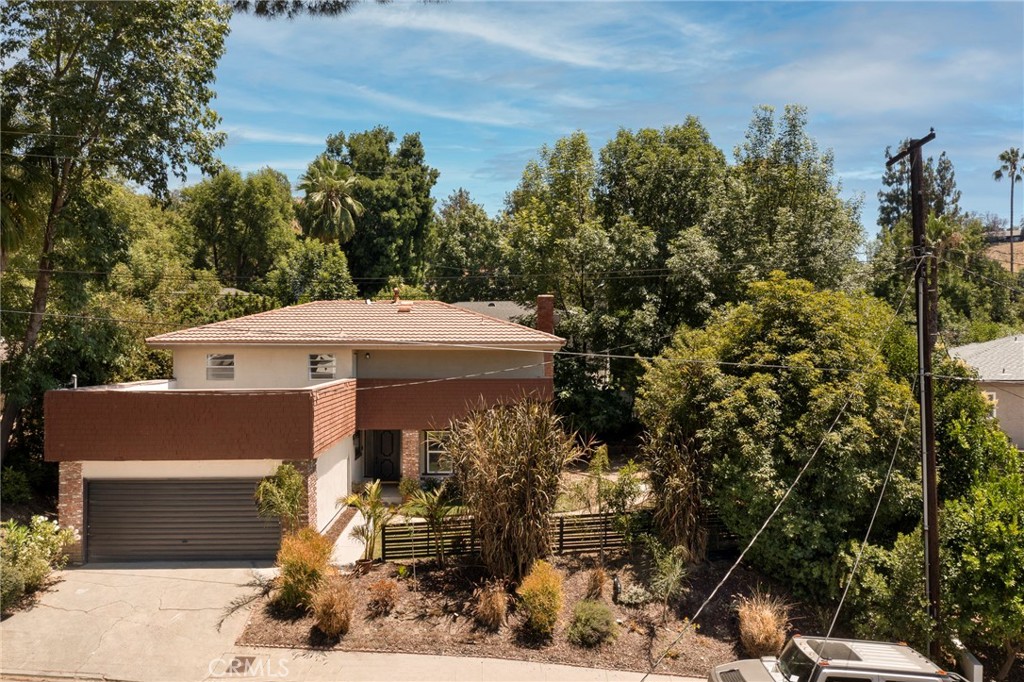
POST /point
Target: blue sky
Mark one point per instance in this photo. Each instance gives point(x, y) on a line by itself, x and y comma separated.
point(487, 83)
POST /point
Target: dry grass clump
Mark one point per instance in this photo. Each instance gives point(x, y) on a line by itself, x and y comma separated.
point(304, 559)
point(541, 597)
point(332, 607)
point(491, 605)
point(383, 597)
point(596, 581)
point(764, 619)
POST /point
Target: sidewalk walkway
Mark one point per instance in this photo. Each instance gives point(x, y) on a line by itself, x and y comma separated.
point(348, 550)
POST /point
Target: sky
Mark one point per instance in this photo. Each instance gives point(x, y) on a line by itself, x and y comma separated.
point(486, 84)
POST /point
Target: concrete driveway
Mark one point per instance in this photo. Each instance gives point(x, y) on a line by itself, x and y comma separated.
point(160, 622)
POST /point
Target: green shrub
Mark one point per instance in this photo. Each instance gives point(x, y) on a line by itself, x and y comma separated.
point(14, 486)
point(12, 585)
point(383, 597)
point(541, 596)
point(304, 561)
point(592, 624)
point(635, 596)
point(36, 549)
point(332, 607)
point(408, 487)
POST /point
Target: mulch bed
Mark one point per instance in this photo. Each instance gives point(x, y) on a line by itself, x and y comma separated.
point(434, 616)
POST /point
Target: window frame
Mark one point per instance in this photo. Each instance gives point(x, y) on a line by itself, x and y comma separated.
point(333, 364)
point(436, 438)
point(214, 370)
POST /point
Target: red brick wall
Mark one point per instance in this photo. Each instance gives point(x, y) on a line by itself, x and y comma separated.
point(71, 505)
point(110, 424)
point(334, 414)
point(419, 404)
point(546, 313)
point(410, 454)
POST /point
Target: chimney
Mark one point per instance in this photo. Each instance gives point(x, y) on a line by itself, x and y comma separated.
point(545, 313)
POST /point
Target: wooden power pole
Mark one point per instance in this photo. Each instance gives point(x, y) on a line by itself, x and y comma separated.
point(925, 346)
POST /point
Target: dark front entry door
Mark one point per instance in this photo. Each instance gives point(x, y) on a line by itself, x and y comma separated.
point(384, 455)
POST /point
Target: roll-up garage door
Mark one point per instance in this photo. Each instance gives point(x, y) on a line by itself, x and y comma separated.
point(176, 520)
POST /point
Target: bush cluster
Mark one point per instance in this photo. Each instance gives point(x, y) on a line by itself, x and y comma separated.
point(28, 554)
point(592, 624)
point(304, 559)
point(332, 607)
point(540, 594)
point(383, 597)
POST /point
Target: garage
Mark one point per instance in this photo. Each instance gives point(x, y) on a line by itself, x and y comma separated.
point(210, 519)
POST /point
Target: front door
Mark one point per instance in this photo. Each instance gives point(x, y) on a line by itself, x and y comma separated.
point(383, 455)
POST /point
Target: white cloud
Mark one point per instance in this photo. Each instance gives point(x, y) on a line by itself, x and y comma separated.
point(242, 133)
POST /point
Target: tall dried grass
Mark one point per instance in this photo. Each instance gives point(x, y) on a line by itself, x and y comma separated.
point(764, 620)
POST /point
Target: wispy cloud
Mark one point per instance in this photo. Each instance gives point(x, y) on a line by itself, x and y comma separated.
point(243, 133)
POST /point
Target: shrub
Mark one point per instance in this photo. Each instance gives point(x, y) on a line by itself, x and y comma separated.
point(283, 496)
point(36, 549)
point(383, 597)
point(541, 596)
point(592, 624)
point(14, 486)
point(764, 619)
point(635, 596)
point(12, 585)
point(508, 461)
point(408, 487)
point(491, 605)
point(670, 570)
point(596, 581)
point(332, 607)
point(304, 561)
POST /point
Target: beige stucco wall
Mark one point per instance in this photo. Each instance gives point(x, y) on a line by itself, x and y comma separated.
point(436, 363)
point(287, 366)
point(333, 480)
point(256, 366)
point(1009, 409)
point(211, 468)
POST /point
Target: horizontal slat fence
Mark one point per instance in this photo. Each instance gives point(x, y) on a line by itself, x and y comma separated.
point(570, 534)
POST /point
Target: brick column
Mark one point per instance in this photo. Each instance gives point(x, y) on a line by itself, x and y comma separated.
point(546, 323)
point(307, 467)
point(411, 454)
point(71, 506)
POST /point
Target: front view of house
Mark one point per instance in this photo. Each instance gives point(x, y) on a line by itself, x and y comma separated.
point(347, 391)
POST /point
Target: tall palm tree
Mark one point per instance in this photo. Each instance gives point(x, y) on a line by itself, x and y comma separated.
point(331, 208)
point(1011, 169)
point(22, 181)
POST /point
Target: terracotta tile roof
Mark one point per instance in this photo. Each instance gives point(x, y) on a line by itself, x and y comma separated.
point(356, 322)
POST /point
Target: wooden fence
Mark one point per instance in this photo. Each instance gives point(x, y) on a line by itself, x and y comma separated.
point(570, 534)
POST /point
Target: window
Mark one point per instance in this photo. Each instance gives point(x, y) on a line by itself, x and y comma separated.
point(993, 404)
point(435, 456)
point(322, 366)
point(220, 366)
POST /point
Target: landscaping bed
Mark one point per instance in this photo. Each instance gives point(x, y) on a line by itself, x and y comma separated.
point(434, 615)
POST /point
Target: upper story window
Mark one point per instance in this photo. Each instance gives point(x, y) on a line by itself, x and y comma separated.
point(220, 366)
point(435, 456)
point(322, 366)
point(993, 404)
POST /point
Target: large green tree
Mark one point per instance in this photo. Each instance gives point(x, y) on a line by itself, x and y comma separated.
point(466, 258)
point(310, 271)
point(790, 373)
point(116, 87)
point(941, 196)
point(394, 184)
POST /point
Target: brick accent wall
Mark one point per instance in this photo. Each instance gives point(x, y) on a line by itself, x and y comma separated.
point(410, 454)
point(307, 468)
point(71, 506)
point(412, 404)
point(334, 415)
point(546, 313)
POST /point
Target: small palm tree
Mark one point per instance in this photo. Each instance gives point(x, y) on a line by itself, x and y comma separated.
point(433, 506)
point(376, 514)
point(330, 205)
point(1011, 169)
point(283, 496)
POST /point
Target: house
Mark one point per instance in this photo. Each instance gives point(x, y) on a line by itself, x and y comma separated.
point(503, 310)
point(1000, 368)
point(347, 391)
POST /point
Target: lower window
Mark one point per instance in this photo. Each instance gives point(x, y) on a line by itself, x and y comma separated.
point(435, 456)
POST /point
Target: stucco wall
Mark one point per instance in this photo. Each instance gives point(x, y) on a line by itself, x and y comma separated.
point(1010, 408)
point(333, 480)
point(436, 363)
point(210, 468)
point(256, 366)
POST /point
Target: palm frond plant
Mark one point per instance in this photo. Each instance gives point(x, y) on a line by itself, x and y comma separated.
point(433, 506)
point(330, 205)
point(376, 514)
point(283, 496)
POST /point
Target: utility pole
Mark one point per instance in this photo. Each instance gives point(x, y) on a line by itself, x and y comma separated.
point(925, 346)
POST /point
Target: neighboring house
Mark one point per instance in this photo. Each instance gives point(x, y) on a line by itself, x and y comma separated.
point(1000, 367)
point(347, 391)
point(503, 310)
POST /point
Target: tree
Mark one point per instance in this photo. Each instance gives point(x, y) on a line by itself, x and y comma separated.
point(290, 9)
point(941, 196)
point(120, 88)
point(394, 186)
point(242, 225)
point(1011, 170)
point(282, 497)
point(466, 247)
point(23, 180)
point(311, 271)
point(749, 428)
point(329, 209)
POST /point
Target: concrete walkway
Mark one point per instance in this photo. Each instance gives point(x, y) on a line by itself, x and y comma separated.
point(348, 550)
point(167, 623)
